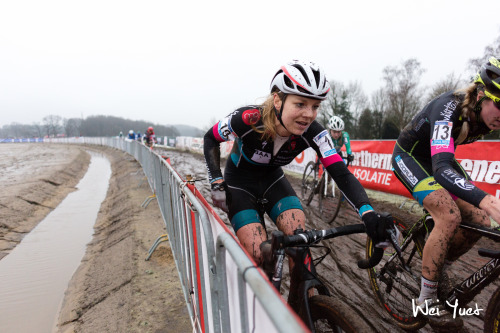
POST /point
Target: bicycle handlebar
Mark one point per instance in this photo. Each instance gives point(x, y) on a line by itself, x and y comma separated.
point(378, 252)
point(310, 237)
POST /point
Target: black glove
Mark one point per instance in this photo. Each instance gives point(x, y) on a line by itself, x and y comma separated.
point(350, 157)
point(379, 227)
point(219, 197)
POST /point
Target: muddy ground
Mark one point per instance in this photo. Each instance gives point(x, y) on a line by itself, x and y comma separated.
point(339, 270)
point(115, 289)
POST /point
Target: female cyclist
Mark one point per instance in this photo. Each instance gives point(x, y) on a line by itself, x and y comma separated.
point(339, 136)
point(266, 137)
point(424, 161)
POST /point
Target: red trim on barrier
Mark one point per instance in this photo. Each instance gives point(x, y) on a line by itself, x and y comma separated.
point(167, 159)
point(204, 202)
point(198, 273)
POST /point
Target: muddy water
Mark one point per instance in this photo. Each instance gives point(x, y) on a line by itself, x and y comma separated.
point(34, 276)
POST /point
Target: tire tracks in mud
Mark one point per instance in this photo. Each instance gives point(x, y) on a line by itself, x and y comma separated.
point(339, 270)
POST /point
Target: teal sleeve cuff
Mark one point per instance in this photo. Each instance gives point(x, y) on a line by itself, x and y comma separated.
point(364, 208)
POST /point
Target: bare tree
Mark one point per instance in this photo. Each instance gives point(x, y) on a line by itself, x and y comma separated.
point(451, 82)
point(38, 129)
point(337, 103)
point(491, 50)
point(402, 90)
point(52, 124)
point(379, 107)
point(72, 126)
point(357, 100)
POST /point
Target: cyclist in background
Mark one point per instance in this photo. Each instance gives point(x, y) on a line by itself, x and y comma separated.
point(139, 136)
point(149, 138)
point(424, 161)
point(267, 137)
point(340, 137)
point(131, 135)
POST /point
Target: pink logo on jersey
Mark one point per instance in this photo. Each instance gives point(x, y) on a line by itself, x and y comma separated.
point(251, 117)
point(441, 148)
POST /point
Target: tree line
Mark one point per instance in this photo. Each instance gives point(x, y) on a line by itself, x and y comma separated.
point(54, 126)
point(382, 116)
point(390, 108)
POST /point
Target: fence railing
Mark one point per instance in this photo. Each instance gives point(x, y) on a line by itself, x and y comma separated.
point(223, 288)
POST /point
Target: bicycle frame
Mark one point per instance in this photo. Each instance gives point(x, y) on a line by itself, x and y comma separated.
point(465, 291)
point(304, 271)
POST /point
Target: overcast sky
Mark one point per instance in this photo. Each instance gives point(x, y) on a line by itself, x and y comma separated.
point(191, 62)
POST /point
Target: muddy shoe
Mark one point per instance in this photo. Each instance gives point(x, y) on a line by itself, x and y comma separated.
point(438, 316)
point(445, 286)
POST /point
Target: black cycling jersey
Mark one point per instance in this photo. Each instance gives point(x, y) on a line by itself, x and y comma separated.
point(432, 134)
point(252, 154)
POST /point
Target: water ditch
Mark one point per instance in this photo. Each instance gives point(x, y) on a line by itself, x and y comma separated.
point(34, 276)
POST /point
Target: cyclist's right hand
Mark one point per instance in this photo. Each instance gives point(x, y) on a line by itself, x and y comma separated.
point(380, 228)
point(219, 197)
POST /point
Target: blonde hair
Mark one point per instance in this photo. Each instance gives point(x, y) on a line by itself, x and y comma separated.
point(468, 106)
point(269, 118)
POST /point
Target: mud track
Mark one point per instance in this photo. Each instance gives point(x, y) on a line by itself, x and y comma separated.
point(339, 270)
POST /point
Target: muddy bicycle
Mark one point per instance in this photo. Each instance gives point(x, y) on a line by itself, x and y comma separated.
point(311, 299)
point(316, 181)
point(396, 281)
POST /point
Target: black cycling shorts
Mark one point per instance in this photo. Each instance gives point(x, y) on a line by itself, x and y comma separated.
point(416, 173)
point(246, 187)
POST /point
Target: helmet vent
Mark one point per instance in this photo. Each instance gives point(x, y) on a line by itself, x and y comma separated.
point(288, 82)
point(303, 72)
point(279, 72)
point(302, 90)
point(316, 78)
point(493, 75)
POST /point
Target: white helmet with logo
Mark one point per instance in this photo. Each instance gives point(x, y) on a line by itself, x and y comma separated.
point(336, 124)
point(302, 78)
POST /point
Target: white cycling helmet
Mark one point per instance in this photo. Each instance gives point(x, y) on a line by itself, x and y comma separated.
point(302, 78)
point(336, 124)
point(131, 132)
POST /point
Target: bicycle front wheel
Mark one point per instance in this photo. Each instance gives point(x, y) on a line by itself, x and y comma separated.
point(332, 315)
point(492, 315)
point(393, 286)
point(329, 201)
point(309, 180)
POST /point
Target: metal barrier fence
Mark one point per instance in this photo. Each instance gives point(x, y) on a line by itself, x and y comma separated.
point(224, 290)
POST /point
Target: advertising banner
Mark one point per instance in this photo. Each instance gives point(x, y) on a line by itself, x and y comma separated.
point(372, 165)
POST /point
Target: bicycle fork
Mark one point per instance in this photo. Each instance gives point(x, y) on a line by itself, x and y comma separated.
point(303, 278)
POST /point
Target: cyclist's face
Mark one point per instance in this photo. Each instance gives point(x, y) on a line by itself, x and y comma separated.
point(335, 134)
point(298, 113)
point(490, 114)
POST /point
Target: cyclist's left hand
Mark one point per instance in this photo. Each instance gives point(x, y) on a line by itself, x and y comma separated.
point(350, 157)
point(219, 195)
point(380, 227)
